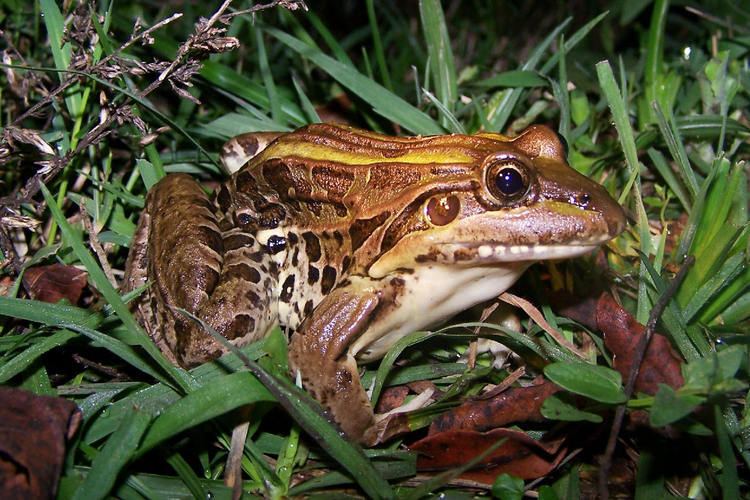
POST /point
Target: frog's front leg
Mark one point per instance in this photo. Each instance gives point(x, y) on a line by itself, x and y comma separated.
point(219, 276)
point(319, 351)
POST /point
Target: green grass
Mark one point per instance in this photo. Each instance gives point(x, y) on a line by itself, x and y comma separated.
point(651, 98)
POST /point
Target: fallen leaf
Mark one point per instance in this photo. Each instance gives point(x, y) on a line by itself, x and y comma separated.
point(517, 404)
point(579, 309)
point(55, 282)
point(391, 398)
point(520, 455)
point(661, 364)
point(33, 431)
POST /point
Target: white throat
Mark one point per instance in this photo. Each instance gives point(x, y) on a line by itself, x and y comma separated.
point(431, 295)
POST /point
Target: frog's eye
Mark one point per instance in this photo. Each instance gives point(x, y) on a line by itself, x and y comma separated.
point(510, 182)
point(507, 181)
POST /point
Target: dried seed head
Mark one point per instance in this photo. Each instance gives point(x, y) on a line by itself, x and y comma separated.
point(27, 136)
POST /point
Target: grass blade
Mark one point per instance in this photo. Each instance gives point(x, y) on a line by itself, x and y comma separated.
point(48, 314)
point(733, 266)
point(439, 52)
point(210, 401)
point(728, 477)
point(655, 51)
point(620, 115)
point(268, 82)
point(307, 106)
point(309, 415)
point(671, 136)
point(117, 452)
point(500, 114)
point(15, 365)
point(393, 353)
point(660, 163)
point(55, 24)
point(383, 102)
point(377, 45)
point(118, 348)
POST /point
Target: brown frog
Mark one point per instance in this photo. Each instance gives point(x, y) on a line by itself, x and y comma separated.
point(350, 240)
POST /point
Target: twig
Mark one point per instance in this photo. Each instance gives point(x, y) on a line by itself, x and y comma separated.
point(640, 351)
point(73, 79)
point(97, 247)
point(10, 258)
point(473, 346)
point(287, 4)
point(538, 318)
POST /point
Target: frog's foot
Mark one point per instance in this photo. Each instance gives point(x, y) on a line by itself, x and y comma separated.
point(319, 353)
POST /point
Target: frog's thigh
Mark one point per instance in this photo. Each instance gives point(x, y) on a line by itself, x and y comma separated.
point(195, 268)
point(319, 351)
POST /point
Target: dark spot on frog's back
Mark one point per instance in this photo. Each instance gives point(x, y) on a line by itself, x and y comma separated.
point(281, 178)
point(210, 237)
point(244, 272)
point(315, 207)
point(245, 221)
point(276, 244)
point(338, 237)
point(336, 181)
point(361, 229)
point(258, 257)
point(346, 262)
point(312, 246)
point(341, 210)
point(343, 379)
point(240, 326)
point(245, 182)
point(238, 240)
point(287, 289)
point(295, 257)
point(329, 279)
point(223, 198)
point(271, 215)
point(312, 274)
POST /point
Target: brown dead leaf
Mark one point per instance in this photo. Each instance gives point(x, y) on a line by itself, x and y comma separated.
point(520, 455)
point(33, 431)
point(55, 282)
point(391, 398)
point(661, 364)
point(580, 309)
point(517, 404)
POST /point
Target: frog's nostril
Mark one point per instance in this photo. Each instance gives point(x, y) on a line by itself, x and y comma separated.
point(581, 200)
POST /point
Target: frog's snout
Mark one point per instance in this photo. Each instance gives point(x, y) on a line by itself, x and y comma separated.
point(611, 211)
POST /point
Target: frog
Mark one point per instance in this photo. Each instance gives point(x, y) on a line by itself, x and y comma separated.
point(349, 240)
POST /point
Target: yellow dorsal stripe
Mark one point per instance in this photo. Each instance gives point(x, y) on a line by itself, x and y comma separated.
point(319, 152)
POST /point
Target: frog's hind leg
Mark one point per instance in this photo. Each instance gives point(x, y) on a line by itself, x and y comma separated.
point(218, 276)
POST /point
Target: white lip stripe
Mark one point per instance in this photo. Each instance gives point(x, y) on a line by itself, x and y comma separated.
point(487, 254)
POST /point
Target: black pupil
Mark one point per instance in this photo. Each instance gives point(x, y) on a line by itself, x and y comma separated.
point(509, 181)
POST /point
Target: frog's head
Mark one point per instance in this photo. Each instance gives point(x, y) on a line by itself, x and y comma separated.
point(518, 202)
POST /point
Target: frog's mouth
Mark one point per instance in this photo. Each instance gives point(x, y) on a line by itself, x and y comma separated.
point(490, 253)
